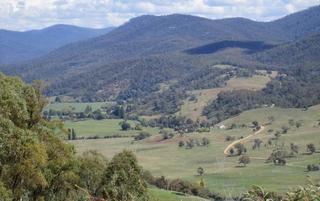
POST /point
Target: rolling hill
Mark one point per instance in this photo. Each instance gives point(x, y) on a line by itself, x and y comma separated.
point(18, 46)
point(150, 50)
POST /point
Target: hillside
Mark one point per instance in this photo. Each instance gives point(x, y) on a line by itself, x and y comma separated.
point(223, 174)
point(18, 46)
point(304, 53)
point(150, 50)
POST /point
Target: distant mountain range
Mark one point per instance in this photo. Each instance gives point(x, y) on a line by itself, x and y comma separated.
point(18, 46)
point(149, 50)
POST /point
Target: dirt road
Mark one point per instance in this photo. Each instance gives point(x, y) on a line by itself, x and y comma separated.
point(243, 140)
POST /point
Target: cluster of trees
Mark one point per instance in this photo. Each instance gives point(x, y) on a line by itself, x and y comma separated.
point(238, 150)
point(166, 135)
point(166, 102)
point(313, 167)
point(115, 111)
point(311, 148)
point(141, 136)
point(244, 160)
point(189, 144)
point(179, 123)
point(72, 134)
point(37, 165)
point(279, 156)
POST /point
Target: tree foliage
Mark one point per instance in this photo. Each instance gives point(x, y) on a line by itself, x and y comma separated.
point(37, 165)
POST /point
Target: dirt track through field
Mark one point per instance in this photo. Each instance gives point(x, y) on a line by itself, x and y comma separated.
point(243, 140)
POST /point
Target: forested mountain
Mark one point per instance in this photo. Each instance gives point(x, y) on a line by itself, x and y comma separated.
point(18, 46)
point(305, 52)
point(149, 50)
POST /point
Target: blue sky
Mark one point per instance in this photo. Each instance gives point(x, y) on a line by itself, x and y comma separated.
point(35, 14)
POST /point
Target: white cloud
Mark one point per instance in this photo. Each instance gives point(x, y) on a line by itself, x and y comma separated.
point(30, 14)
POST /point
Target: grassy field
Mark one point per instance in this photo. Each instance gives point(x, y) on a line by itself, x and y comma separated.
point(106, 127)
point(75, 107)
point(193, 109)
point(222, 173)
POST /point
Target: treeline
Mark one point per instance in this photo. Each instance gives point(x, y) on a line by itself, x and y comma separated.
point(113, 111)
point(179, 123)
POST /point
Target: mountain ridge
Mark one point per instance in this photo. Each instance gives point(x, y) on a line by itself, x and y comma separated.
point(19, 46)
point(164, 38)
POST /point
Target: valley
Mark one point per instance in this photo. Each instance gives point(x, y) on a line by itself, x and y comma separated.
point(162, 108)
point(222, 174)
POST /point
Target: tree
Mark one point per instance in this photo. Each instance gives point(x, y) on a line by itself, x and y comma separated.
point(57, 99)
point(33, 160)
point(205, 141)
point(119, 112)
point(244, 160)
point(231, 151)
point(284, 129)
point(138, 127)
point(125, 126)
point(123, 179)
point(240, 148)
point(73, 134)
point(88, 109)
point(69, 134)
point(200, 171)
point(255, 124)
point(181, 144)
point(256, 143)
point(294, 148)
point(91, 170)
point(298, 124)
point(201, 183)
point(142, 135)
point(311, 148)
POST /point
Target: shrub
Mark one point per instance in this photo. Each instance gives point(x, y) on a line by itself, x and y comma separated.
point(142, 135)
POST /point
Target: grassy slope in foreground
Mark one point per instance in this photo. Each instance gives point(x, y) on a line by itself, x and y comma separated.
point(221, 174)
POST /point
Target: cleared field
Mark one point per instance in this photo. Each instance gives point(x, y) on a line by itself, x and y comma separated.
point(193, 109)
point(104, 127)
point(222, 173)
point(75, 107)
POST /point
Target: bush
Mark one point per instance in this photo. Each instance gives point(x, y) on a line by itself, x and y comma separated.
point(125, 126)
point(244, 160)
point(181, 144)
point(142, 135)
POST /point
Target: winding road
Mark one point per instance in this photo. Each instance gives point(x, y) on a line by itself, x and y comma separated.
point(243, 140)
